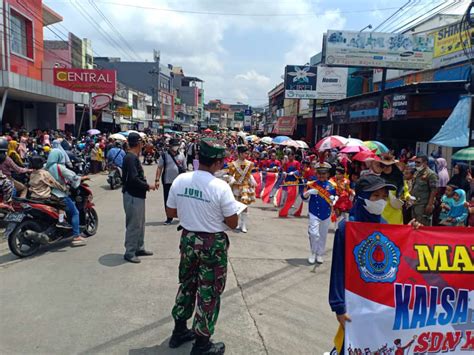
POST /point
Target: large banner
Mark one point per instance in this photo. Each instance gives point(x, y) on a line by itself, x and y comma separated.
point(408, 291)
point(331, 83)
point(300, 82)
point(378, 50)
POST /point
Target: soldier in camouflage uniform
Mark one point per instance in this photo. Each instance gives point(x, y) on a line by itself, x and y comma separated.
point(206, 207)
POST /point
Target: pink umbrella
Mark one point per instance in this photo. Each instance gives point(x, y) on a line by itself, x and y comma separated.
point(331, 142)
point(354, 149)
point(365, 155)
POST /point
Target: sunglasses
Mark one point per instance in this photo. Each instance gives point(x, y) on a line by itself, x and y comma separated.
point(418, 162)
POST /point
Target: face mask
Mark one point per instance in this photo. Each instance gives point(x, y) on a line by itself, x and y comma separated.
point(375, 207)
point(419, 168)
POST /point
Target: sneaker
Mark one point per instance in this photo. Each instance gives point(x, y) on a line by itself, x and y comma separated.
point(209, 349)
point(63, 225)
point(168, 222)
point(144, 253)
point(132, 259)
point(312, 259)
point(319, 259)
point(178, 339)
point(78, 242)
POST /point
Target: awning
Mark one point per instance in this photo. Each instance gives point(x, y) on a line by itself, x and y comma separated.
point(455, 131)
point(285, 126)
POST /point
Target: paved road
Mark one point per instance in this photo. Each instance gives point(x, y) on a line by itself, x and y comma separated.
point(88, 301)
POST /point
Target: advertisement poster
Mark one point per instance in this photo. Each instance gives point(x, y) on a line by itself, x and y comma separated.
point(300, 82)
point(378, 50)
point(409, 291)
point(331, 83)
point(285, 126)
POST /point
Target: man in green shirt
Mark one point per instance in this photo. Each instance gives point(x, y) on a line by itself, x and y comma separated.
point(425, 187)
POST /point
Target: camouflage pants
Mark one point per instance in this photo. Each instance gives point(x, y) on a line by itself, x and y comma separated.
point(202, 277)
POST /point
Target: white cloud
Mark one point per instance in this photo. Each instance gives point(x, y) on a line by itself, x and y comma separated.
point(254, 78)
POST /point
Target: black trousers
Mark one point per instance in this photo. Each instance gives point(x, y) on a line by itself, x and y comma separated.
point(166, 192)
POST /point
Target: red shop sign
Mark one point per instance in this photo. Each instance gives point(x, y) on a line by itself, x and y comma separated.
point(86, 80)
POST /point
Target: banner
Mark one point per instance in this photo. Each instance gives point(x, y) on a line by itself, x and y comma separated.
point(86, 80)
point(378, 50)
point(285, 126)
point(331, 83)
point(409, 291)
point(300, 82)
point(269, 180)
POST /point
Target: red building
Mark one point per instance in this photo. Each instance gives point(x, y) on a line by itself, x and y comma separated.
point(28, 100)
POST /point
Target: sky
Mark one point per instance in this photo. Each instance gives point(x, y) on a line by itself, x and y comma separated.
point(238, 47)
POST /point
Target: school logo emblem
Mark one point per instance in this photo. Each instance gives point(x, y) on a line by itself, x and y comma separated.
point(377, 258)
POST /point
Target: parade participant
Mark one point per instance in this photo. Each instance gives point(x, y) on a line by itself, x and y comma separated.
point(206, 208)
point(242, 182)
point(134, 192)
point(425, 187)
point(273, 164)
point(321, 195)
point(343, 192)
point(170, 165)
point(393, 175)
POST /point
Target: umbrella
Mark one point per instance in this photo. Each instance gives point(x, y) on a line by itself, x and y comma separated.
point(365, 155)
point(93, 132)
point(302, 144)
point(253, 138)
point(464, 154)
point(267, 140)
point(379, 147)
point(118, 137)
point(354, 142)
point(242, 134)
point(354, 149)
point(280, 139)
point(208, 130)
point(291, 143)
point(330, 143)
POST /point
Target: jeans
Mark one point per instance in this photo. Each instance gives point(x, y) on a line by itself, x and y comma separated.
point(73, 213)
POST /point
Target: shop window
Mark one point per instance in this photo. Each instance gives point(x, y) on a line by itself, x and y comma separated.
point(21, 34)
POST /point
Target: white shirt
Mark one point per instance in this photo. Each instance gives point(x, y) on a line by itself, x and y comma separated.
point(202, 201)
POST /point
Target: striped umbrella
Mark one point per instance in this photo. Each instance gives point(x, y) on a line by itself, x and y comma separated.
point(464, 154)
point(376, 146)
point(331, 142)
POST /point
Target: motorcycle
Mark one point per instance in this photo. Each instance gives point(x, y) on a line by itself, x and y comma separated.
point(115, 177)
point(33, 223)
point(149, 158)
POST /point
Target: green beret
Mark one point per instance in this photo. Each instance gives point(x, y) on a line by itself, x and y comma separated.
point(212, 148)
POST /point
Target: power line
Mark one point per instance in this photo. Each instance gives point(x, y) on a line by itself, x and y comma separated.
point(412, 4)
point(391, 16)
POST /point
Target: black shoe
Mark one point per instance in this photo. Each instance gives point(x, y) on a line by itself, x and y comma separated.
point(144, 253)
point(63, 225)
point(168, 222)
point(209, 349)
point(132, 259)
point(178, 339)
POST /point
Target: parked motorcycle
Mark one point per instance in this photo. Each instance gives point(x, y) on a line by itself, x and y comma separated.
point(33, 223)
point(115, 177)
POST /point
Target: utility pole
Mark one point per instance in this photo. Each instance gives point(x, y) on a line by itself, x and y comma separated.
point(381, 103)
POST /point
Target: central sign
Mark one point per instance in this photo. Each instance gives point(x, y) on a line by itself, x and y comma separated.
point(86, 80)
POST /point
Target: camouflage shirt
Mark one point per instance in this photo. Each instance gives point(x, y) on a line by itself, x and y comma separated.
point(424, 182)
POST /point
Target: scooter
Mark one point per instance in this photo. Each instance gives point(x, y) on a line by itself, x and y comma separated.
point(33, 223)
point(115, 177)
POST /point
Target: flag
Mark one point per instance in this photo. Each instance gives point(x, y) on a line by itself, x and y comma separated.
point(291, 194)
point(268, 184)
point(258, 179)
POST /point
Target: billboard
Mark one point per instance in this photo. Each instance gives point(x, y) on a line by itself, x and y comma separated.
point(285, 125)
point(378, 50)
point(448, 48)
point(86, 80)
point(331, 83)
point(300, 82)
point(408, 291)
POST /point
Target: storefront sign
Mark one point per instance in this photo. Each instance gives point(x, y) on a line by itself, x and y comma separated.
point(86, 80)
point(331, 83)
point(239, 116)
point(100, 101)
point(414, 286)
point(107, 117)
point(448, 44)
point(300, 82)
point(395, 106)
point(125, 111)
point(285, 126)
point(378, 50)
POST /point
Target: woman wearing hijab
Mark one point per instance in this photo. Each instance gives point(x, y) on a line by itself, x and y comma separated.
point(57, 145)
point(13, 153)
point(460, 178)
point(57, 168)
point(443, 179)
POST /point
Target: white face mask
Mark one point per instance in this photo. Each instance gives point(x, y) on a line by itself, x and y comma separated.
point(419, 168)
point(375, 207)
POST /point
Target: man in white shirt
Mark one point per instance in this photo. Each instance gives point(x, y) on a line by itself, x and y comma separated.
point(206, 208)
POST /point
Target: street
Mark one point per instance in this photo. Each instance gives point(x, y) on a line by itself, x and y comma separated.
point(87, 300)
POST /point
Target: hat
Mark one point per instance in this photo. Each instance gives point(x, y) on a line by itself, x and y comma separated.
point(174, 142)
point(133, 138)
point(388, 159)
point(340, 169)
point(242, 148)
point(212, 148)
point(371, 183)
point(323, 167)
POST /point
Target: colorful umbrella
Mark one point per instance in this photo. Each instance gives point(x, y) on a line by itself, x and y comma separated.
point(280, 139)
point(93, 132)
point(365, 155)
point(118, 137)
point(354, 149)
point(354, 142)
point(208, 130)
point(251, 138)
point(331, 142)
point(464, 154)
point(267, 140)
point(379, 147)
point(302, 144)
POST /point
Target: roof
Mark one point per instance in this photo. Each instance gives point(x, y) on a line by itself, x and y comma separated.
point(56, 44)
point(50, 17)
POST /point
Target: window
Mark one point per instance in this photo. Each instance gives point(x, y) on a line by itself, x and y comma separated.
point(135, 102)
point(21, 35)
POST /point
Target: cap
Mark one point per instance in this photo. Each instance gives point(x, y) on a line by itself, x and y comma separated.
point(174, 142)
point(212, 148)
point(323, 167)
point(242, 148)
point(371, 182)
point(133, 138)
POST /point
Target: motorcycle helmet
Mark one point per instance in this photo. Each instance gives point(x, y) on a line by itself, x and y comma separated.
point(3, 144)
